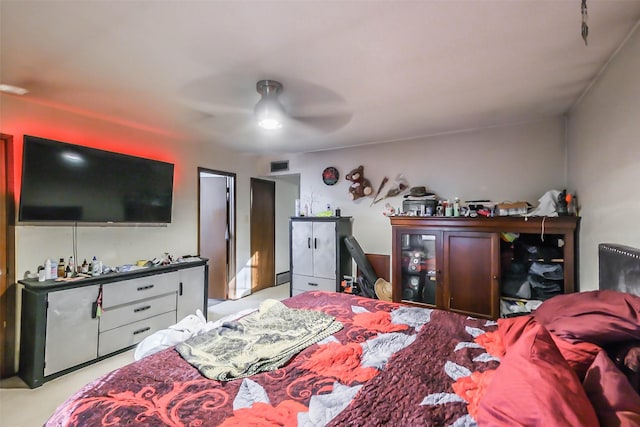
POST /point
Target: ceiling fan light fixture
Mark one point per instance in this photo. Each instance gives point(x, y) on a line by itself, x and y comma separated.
point(268, 111)
point(13, 90)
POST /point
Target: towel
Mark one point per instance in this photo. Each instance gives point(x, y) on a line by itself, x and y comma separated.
point(260, 342)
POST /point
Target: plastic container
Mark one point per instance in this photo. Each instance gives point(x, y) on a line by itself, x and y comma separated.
point(96, 267)
point(47, 270)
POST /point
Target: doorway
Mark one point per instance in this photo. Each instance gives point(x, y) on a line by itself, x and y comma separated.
point(216, 230)
point(7, 259)
point(263, 234)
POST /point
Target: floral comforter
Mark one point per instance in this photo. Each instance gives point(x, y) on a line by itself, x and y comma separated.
point(390, 365)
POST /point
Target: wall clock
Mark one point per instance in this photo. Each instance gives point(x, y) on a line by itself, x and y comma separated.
point(330, 175)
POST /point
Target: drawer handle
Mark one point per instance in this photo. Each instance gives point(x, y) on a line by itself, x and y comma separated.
point(146, 307)
point(139, 331)
point(144, 288)
point(312, 284)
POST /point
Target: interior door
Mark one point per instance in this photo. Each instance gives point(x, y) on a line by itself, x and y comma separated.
point(7, 277)
point(214, 231)
point(263, 234)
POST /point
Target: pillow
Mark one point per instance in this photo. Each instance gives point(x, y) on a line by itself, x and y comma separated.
point(626, 357)
point(534, 386)
point(614, 399)
point(599, 317)
point(492, 342)
point(579, 355)
point(512, 328)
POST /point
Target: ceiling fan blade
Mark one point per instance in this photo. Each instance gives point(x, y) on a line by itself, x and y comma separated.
point(326, 122)
point(214, 109)
point(227, 123)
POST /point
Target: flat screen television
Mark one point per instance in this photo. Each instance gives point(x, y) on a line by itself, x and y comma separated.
point(63, 182)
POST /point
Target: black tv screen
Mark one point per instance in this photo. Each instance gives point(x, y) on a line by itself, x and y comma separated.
point(64, 182)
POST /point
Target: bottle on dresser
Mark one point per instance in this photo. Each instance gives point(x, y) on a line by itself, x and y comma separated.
point(61, 268)
point(96, 267)
point(72, 266)
point(85, 267)
point(47, 269)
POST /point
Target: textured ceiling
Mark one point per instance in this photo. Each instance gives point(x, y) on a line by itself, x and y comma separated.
point(354, 72)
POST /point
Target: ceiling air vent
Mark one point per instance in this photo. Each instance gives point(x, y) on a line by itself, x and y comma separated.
point(280, 166)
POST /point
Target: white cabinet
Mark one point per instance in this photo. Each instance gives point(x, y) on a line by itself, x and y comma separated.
point(319, 258)
point(72, 328)
point(191, 291)
point(62, 331)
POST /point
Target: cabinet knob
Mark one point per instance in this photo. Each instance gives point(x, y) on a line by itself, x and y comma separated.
point(495, 277)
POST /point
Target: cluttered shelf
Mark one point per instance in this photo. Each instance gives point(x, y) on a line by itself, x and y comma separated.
point(467, 264)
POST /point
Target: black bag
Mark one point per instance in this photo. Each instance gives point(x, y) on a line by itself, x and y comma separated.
point(367, 289)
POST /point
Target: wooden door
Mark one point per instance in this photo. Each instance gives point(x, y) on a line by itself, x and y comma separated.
point(214, 232)
point(263, 234)
point(7, 259)
point(471, 267)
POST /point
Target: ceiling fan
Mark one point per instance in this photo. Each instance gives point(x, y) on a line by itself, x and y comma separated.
point(268, 111)
point(228, 104)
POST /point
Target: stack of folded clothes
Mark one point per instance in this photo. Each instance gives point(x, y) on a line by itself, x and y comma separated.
point(546, 279)
point(515, 281)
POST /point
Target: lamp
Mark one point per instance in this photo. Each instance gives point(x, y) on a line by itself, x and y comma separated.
point(269, 112)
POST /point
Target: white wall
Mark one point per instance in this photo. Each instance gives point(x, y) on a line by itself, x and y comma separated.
point(604, 159)
point(507, 163)
point(125, 244)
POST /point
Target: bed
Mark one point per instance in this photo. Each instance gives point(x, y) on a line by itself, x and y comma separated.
point(570, 363)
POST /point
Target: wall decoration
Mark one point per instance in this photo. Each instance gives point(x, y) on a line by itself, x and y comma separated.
point(395, 188)
point(330, 175)
point(360, 186)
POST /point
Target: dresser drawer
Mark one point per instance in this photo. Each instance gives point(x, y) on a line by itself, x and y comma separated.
point(309, 283)
point(127, 291)
point(124, 314)
point(131, 334)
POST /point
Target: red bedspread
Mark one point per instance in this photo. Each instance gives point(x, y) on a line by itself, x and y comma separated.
point(390, 365)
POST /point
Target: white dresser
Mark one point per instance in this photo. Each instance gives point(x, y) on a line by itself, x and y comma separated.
point(63, 329)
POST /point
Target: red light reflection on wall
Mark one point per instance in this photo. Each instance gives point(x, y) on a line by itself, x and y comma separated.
point(87, 137)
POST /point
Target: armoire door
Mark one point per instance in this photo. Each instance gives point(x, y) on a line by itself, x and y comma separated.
point(324, 249)
point(471, 265)
point(302, 248)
